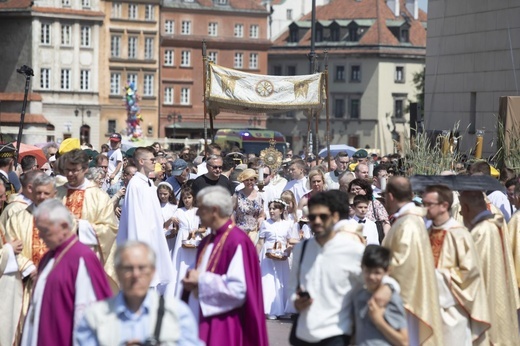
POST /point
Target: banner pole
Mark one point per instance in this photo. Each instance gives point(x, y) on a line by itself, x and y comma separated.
point(205, 81)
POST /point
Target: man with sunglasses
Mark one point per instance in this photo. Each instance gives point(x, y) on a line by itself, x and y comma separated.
point(141, 217)
point(213, 176)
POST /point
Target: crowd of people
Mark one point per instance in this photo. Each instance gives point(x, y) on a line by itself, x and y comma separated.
point(188, 248)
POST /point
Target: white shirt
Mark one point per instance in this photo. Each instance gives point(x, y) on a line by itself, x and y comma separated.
point(332, 180)
point(298, 188)
point(329, 274)
point(114, 157)
point(369, 230)
point(500, 200)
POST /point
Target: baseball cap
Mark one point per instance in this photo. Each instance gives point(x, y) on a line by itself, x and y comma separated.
point(178, 166)
point(360, 154)
point(115, 137)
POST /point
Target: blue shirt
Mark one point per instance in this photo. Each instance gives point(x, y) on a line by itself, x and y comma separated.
point(136, 326)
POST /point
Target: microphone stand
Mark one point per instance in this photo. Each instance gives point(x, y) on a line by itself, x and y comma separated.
point(28, 73)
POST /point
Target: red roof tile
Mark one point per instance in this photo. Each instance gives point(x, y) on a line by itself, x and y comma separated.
point(19, 97)
point(15, 4)
point(378, 33)
point(9, 118)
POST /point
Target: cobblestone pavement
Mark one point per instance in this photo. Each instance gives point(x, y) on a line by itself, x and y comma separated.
point(278, 332)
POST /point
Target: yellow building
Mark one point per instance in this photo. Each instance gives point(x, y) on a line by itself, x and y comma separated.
point(129, 44)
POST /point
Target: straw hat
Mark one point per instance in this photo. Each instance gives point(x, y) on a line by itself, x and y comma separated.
point(248, 173)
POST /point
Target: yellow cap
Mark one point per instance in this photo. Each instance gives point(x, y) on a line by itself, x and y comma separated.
point(68, 145)
point(494, 172)
point(158, 167)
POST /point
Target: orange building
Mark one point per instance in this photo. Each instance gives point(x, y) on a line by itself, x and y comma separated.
point(236, 36)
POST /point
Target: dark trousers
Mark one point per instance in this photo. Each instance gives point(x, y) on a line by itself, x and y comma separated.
point(338, 340)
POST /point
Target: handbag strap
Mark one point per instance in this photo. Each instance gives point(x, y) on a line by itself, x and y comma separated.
point(160, 314)
point(376, 216)
point(300, 262)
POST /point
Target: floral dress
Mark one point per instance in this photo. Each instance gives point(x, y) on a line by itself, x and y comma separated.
point(248, 211)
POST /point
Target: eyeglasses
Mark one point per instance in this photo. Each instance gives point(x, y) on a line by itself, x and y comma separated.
point(151, 160)
point(129, 270)
point(44, 169)
point(426, 204)
point(323, 217)
point(104, 167)
point(215, 167)
point(73, 171)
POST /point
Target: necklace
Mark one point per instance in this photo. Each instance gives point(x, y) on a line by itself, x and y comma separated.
point(217, 251)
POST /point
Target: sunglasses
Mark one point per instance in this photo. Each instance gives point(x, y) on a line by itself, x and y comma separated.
point(215, 167)
point(323, 217)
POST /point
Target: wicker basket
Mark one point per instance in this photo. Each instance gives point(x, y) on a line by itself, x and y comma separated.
point(276, 253)
point(190, 243)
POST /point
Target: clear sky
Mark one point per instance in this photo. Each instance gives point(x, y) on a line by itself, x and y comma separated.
point(423, 4)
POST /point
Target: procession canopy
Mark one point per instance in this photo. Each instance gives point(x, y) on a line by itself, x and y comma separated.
point(241, 92)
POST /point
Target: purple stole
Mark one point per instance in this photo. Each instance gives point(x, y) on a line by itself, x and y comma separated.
point(57, 311)
point(243, 326)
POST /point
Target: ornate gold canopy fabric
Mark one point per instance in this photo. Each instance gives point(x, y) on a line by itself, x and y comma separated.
point(241, 92)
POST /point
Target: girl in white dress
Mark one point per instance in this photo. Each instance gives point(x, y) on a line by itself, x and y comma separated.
point(272, 243)
point(168, 209)
point(189, 235)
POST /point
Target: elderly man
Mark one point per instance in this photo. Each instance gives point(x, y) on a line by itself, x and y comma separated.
point(380, 175)
point(21, 226)
point(179, 176)
point(213, 176)
point(70, 278)
point(464, 308)
point(224, 289)
point(23, 199)
point(361, 171)
point(131, 317)
point(91, 207)
point(10, 284)
point(494, 249)
point(141, 218)
point(412, 264)
point(332, 178)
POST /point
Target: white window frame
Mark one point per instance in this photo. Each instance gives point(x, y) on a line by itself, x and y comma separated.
point(133, 43)
point(168, 95)
point(66, 79)
point(254, 31)
point(65, 3)
point(238, 61)
point(169, 57)
point(116, 10)
point(148, 48)
point(169, 27)
point(85, 4)
point(84, 80)
point(148, 85)
point(239, 30)
point(115, 83)
point(45, 78)
point(66, 35)
point(133, 11)
point(185, 96)
point(399, 77)
point(115, 46)
point(213, 56)
point(213, 29)
point(186, 27)
point(132, 77)
point(253, 61)
point(86, 36)
point(186, 58)
point(45, 34)
point(149, 12)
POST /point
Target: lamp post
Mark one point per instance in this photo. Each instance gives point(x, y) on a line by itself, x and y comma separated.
point(176, 118)
point(82, 109)
point(84, 134)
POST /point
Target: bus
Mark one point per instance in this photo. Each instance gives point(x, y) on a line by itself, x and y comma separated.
point(249, 140)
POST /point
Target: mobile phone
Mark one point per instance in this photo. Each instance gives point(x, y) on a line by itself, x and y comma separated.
point(304, 294)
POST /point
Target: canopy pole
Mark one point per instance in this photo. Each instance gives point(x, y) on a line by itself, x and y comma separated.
point(309, 135)
point(211, 131)
point(327, 136)
point(205, 81)
point(312, 67)
point(28, 73)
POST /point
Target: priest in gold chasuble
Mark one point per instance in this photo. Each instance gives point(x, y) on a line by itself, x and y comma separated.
point(462, 295)
point(412, 264)
point(96, 222)
point(493, 246)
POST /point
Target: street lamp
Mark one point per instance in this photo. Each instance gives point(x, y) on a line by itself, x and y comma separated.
point(176, 118)
point(82, 109)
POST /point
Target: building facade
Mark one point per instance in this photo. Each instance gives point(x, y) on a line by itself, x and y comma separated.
point(374, 48)
point(472, 59)
point(236, 35)
point(129, 53)
point(58, 39)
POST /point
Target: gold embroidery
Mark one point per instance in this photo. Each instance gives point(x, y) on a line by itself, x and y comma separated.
point(74, 202)
point(436, 241)
point(38, 246)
